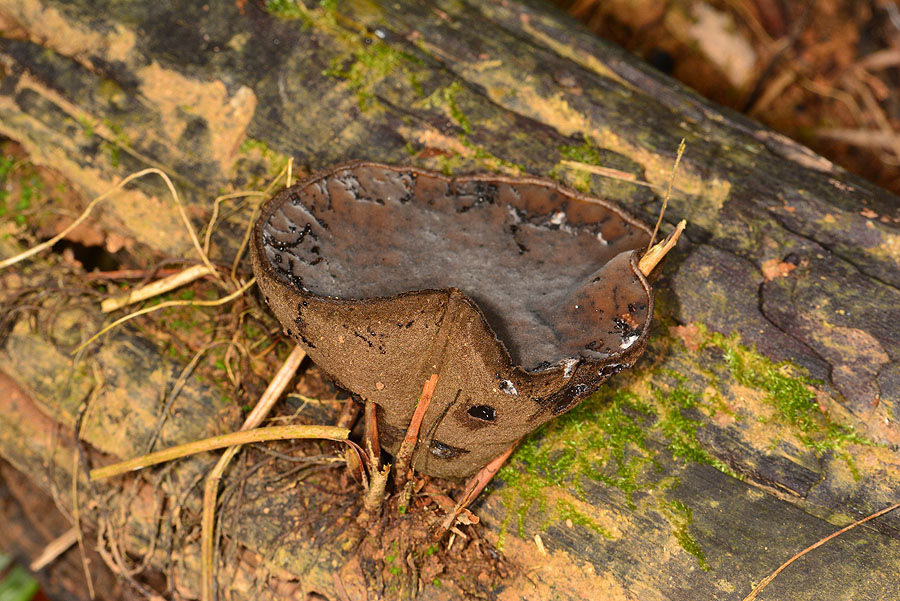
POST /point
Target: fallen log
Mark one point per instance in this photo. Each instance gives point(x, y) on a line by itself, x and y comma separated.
point(762, 418)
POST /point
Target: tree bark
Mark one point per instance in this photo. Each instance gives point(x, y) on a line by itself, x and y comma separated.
point(732, 462)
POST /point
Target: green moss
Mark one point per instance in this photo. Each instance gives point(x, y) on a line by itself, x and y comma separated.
point(114, 145)
point(371, 63)
point(30, 191)
point(274, 160)
point(448, 97)
point(289, 10)
point(680, 517)
point(445, 99)
point(681, 431)
point(6, 164)
point(87, 126)
point(602, 439)
point(586, 152)
point(566, 510)
point(791, 393)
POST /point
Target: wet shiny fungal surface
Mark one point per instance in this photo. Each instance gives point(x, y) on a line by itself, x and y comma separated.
point(521, 295)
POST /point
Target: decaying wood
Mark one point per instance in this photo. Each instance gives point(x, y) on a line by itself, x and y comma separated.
point(782, 248)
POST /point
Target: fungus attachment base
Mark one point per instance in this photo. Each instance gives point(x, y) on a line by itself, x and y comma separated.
point(521, 295)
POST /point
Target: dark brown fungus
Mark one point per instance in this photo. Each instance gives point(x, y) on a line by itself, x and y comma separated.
point(522, 295)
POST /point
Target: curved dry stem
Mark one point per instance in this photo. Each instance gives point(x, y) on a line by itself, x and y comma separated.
point(173, 303)
point(84, 215)
point(215, 214)
point(241, 437)
point(765, 582)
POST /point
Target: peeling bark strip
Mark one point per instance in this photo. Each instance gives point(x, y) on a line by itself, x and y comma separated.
point(219, 95)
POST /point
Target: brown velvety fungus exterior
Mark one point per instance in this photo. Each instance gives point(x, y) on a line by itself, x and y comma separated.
point(523, 296)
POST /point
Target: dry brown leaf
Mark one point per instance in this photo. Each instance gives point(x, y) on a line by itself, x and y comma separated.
point(773, 268)
point(689, 335)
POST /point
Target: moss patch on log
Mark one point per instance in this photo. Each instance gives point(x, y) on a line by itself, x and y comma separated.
point(636, 435)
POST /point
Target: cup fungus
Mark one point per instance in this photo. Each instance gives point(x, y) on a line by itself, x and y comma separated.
point(523, 296)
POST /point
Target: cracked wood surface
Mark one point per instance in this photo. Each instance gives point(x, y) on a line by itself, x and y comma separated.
point(793, 254)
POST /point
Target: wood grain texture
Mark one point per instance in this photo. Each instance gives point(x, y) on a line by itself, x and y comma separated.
point(783, 249)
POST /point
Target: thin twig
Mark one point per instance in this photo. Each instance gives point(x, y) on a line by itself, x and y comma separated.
point(130, 274)
point(607, 172)
point(408, 446)
point(372, 442)
point(759, 587)
point(475, 485)
point(176, 389)
point(76, 515)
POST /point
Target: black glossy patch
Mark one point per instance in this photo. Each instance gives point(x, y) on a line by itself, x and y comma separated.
point(445, 451)
point(483, 412)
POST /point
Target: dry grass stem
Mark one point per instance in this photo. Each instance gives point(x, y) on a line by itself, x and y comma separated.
point(207, 237)
point(662, 211)
point(163, 305)
point(241, 437)
point(765, 582)
point(607, 172)
point(155, 288)
point(273, 392)
point(84, 215)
